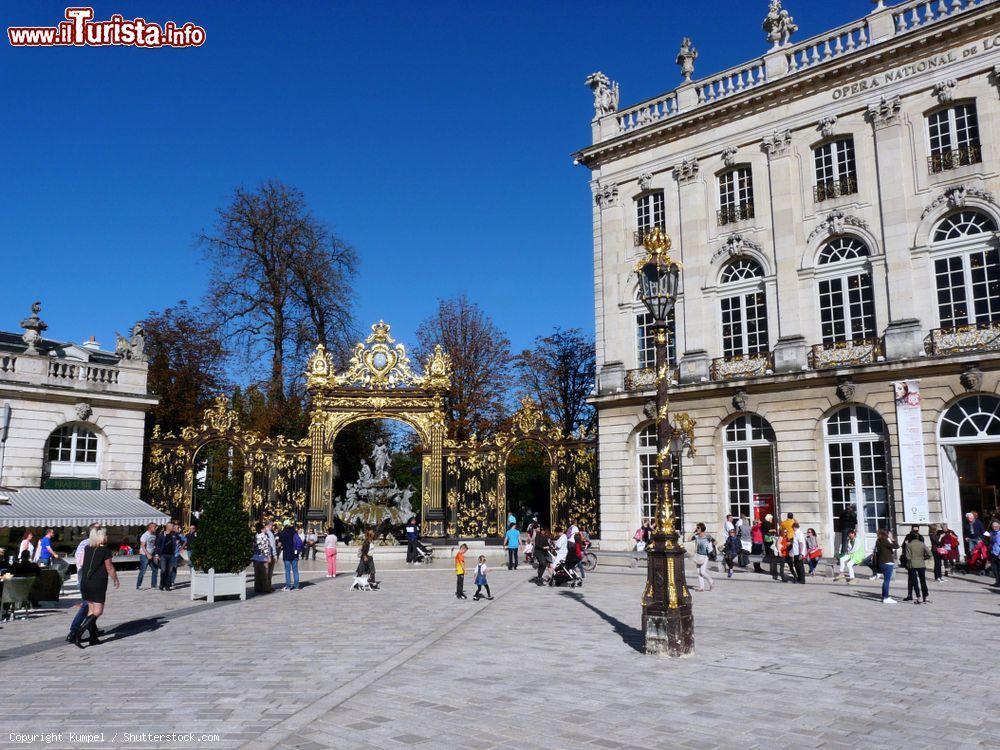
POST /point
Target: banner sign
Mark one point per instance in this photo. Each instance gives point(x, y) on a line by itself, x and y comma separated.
point(912, 468)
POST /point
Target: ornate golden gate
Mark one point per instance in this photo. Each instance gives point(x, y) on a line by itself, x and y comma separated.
point(379, 383)
point(463, 485)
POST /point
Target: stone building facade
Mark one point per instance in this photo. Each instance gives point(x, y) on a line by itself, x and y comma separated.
point(75, 413)
point(834, 205)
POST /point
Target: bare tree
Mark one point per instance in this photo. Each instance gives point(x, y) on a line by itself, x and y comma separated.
point(481, 365)
point(559, 372)
point(280, 282)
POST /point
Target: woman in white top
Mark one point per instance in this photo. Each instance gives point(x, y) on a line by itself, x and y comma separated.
point(562, 547)
point(798, 552)
point(26, 547)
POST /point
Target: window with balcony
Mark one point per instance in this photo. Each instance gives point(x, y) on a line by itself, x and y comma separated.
point(649, 212)
point(735, 195)
point(954, 138)
point(836, 170)
point(846, 296)
point(71, 451)
point(744, 309)
point(646, 345)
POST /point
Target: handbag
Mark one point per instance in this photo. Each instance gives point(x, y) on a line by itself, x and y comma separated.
point(815, 553)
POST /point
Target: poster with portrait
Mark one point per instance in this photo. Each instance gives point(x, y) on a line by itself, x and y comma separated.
point(910, 436)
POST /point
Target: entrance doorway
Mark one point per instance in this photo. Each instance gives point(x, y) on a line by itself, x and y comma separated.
point(970, 460)
point(527, 473)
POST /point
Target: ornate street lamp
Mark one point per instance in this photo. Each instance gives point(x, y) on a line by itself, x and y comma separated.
point(667, 620)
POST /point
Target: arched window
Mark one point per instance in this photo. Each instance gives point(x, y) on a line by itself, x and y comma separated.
point(967, 270)
point(750, 476)
point(71, 451)
point(856, 447)
point(846, 296)
point(646, 454)
point(973, 417)
point(744, 309)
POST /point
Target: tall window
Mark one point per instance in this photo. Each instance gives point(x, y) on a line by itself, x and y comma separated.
point(967, 270)
point(646, 453)
point(649, 213)
point(749, 448)
point(954, 137)
point(836, 170)
point(846, 298)
point(646, 346)
point(744, 309)
point(735, 195)
point(72, 451)
point(856, 451)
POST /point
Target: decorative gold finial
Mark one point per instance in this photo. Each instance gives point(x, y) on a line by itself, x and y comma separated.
point(657, 243)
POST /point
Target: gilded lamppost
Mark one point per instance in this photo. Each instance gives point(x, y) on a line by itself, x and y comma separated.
point(667, 620)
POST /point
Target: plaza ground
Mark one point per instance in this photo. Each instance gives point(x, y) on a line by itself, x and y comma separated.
point(777, 665)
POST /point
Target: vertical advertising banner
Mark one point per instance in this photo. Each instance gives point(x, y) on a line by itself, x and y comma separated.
point(910, 435)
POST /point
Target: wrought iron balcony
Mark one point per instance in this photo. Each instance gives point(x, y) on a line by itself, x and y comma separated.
point(644, 379)
point(972, 338)
point(735, 212)
point(847, 353)
point(742, 366)
point(835, 188)
point(955, 158)
point(639, 236)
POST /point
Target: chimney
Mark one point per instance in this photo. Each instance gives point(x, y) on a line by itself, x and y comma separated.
point(92, 344)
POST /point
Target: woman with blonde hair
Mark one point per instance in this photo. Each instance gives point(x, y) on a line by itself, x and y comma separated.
point(97, 568)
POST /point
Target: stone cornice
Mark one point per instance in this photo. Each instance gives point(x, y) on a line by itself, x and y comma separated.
point(799, 85)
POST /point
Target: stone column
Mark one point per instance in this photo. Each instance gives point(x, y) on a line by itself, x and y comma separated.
point(903, 332)
point(697, 323)
point(790, 344)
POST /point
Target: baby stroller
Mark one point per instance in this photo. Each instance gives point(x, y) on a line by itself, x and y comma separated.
point(564, 575)
point(979, 559)
point(425, 553)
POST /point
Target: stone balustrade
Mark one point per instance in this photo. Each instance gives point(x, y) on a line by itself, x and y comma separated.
point(839, 42)
point(732, 81)
point(884, 23)
point(917, 13)
point(647, 113)
point(61, 372)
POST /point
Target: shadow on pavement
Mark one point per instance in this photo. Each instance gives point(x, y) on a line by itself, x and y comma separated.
point(631, 636)
point(991, 614)
point(134, 627)
point(872, 596)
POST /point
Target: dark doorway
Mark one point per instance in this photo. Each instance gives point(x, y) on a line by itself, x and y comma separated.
point(528, 480)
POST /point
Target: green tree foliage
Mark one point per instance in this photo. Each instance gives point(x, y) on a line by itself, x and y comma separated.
point(224, 541)
point(559, 371)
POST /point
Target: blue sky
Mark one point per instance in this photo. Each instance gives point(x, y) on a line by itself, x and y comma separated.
point(433, 136)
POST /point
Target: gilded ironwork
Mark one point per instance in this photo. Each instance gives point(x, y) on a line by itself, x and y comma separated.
point(476, 480)
point(846, 353)
point(275, 470)
point(742, 366)
point(970, 338)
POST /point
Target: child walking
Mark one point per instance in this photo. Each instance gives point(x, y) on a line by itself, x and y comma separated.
point(481, 582)
point(460, 572)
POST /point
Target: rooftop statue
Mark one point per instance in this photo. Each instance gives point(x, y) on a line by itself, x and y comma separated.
point(779, 25)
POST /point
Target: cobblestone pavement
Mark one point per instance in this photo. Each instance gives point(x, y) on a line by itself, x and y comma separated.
point(777, 665)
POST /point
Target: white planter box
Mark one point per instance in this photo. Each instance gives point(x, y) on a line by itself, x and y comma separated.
point(211, 584)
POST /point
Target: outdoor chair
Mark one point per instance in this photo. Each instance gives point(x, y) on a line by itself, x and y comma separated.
point(61, 567)
point(16, 595)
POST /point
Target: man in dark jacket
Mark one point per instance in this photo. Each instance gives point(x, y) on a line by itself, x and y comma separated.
point(166, 549)
point(541, 553)
point(291, 545)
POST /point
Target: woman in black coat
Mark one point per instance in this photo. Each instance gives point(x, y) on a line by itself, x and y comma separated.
point(93, 577)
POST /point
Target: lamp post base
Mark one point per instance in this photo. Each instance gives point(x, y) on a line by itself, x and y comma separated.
point(668, 635)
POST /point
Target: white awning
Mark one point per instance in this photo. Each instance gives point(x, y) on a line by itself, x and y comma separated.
point(30, 507)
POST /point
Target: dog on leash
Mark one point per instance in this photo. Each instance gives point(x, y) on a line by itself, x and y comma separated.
point(360, 584)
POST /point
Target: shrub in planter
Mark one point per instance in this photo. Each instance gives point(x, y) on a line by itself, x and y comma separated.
point(224, 540)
